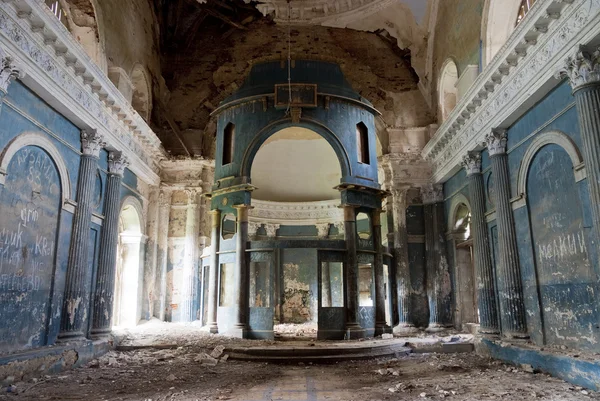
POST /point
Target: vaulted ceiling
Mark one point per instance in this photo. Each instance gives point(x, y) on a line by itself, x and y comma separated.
point(208, 47)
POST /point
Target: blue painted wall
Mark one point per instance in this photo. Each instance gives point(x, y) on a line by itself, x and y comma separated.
point(553, 229)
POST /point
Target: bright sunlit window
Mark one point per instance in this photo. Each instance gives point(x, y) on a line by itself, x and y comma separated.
point(524, 9)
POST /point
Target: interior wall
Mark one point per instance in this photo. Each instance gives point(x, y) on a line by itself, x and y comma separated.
point(300, 281)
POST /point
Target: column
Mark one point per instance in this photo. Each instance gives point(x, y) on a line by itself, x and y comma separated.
point(486, 294)
point(510, 288)
point(241, 275)
point(583, 71)
point(76, 297)
point(190, 261)
point(353, 329)
point(403, 282)
point(380, 323)
point(439, 289)
point(107, 258)
point(213, 280)
point(151, 255)
point(162, 254)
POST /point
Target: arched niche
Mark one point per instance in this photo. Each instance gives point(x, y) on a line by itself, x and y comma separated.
point(447, 89)
point(141, 99)
point(128, 278)
point(31, 200)
point(82, 19)
point(296, 165)
point(271, 129)
point(499, 21)
point(551, 137)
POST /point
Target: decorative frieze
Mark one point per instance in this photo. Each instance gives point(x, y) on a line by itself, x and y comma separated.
point(292, 213)
point(501, 88)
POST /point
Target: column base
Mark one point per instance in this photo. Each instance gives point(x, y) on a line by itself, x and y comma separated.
point(488, 331)
point(515, 336)
point(382, 328)
point(354, 332)
point(211, 328)
point(70, 336)
point(436, 327)
point(98, 334)
point(405, 329)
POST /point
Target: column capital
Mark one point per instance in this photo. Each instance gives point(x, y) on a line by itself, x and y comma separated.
point(432, 193)
point(496, 142)
point(216, 217)
point(340, 227)
point(164, 197)
point(472, 163)
point(582, 68)
point(271, 229)
point(117, 163)
point(253, 228)
point(92, 142)
point(323, 230)
point(9, 73)
point(192, 195)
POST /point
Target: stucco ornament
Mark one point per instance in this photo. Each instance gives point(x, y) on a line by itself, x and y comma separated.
point(472, 163)
point(272, 230)
point(117, 163)
point(92, 142)
point(9, 73)
point(496, 142)
point(583, 68)
point(432, 193)
point(253, 229)
point(323, 230)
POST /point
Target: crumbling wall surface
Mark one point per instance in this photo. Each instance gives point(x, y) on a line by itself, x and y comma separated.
point(299, 267)
point(553, 227)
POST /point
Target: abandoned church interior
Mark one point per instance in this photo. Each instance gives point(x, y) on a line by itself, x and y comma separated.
point(260, 200)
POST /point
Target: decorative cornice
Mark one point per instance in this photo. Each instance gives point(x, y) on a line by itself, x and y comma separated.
point(496, 142)
point(432, 193)
point(296, 213)
point(9, 73)
point(92, 142)
point(53, 59)
point(117, 163)
point(472, 163)
point(582, 68)
point(502, 89)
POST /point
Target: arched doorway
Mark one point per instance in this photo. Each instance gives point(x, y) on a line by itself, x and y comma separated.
point(467, 311)
point(295, 168)
point(128, 280)
point(448, 93)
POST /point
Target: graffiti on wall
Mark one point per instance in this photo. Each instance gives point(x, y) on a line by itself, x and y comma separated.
point(30, 201)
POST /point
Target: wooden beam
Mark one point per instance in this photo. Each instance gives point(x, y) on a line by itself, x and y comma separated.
point(225, 19)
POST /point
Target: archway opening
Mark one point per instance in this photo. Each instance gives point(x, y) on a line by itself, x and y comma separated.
point(128, 278)
point(448, 91)
point(141, 99)
point(296, 168)
point(499, 22)
point(466, 299)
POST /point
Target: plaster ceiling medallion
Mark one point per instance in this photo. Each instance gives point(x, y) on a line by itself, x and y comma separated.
point(324, 12)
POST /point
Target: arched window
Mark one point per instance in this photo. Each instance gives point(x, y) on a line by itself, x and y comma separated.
point(141, 99)
point(524, 9)
point(448, 93)
point(228, 143)
point(362, 143)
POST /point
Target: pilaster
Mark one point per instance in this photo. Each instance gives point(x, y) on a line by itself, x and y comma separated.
point(107, 258)
point(162, 240)
point(213, 279)
point(381, 325)
point(510, 288)
point(77, 298)
point(190, 264)
point(486, 294)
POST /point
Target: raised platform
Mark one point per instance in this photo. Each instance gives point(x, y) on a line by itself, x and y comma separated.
point(337, 351)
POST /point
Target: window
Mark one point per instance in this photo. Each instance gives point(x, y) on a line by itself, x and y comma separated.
point(228, 135)
point(362, 143)
point(524, 9)
point(228, 226)
point(56, 9)
point(363, 226)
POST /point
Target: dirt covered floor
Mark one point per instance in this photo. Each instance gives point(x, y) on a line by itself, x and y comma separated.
point(193, 365)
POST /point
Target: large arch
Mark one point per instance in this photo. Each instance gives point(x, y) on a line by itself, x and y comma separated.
point(41, 141)
point(498, 23)
point(141, 99)
point(277, 126)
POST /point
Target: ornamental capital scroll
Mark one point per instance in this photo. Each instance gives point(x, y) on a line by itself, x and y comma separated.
point(92, 142)
point(9, 73)
point(582, 68)
point(117, 163)
point(496, 142)
point(472, 163)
